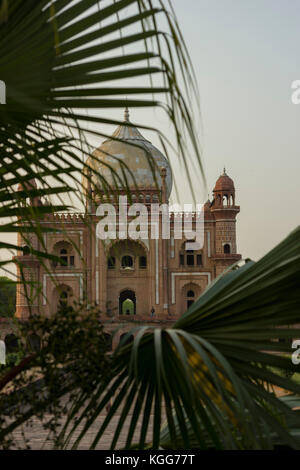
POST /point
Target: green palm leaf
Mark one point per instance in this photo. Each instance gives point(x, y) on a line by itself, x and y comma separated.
point(58, 60)
point(211, 384)
point(208, 375)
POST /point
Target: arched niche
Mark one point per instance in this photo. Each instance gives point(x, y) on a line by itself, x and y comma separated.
point(189, 294)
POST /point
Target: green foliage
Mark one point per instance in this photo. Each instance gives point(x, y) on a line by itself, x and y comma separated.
point(210, 374)
point(71, 361)
point(7, 297)
point(59, 67)
point(128, 307)
point(12, 359)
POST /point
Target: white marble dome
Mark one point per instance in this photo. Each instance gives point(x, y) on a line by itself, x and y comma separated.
point(141, 161)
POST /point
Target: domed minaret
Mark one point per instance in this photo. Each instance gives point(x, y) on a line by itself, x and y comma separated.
point(225, 211)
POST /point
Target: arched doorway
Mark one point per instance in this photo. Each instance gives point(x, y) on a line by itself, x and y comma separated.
point(12, 343)
point(127, 303)
point(190, 293)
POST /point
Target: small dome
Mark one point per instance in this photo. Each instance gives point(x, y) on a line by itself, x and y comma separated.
point(138, 156)
point(224, 183)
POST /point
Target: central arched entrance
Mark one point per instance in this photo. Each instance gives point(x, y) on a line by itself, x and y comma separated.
point(127, 303)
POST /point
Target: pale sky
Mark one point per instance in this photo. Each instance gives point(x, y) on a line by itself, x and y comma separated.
point(246, 56)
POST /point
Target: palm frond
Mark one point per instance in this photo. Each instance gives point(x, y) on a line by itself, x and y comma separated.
point(209, 374)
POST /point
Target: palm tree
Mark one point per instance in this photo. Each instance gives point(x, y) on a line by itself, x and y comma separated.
point(209, 373)
point(59, 63)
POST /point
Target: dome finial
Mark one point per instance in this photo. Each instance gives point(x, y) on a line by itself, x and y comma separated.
point(126, 114)
point(224, 171)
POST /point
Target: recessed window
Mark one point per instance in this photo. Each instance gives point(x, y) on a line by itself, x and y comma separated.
point(190, 257)
point(26, 250)
point(111, 262)
point(190, 260)
point(199, 260)
point(143, 262)
point(190, 298)
point(63, 257)
point(127, 262)
point(66, 259)
point(226, 248)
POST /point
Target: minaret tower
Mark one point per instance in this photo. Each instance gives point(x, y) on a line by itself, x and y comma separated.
point(27, 299)
point(225, 211)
